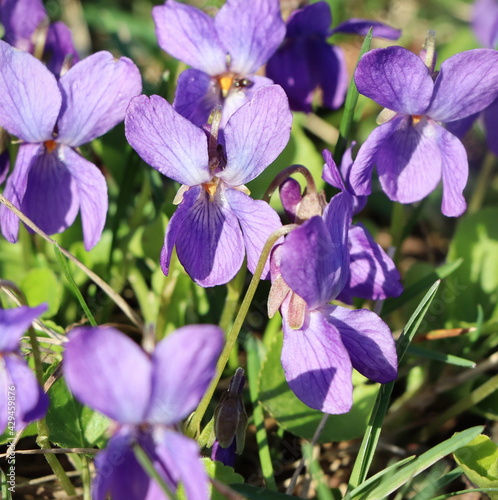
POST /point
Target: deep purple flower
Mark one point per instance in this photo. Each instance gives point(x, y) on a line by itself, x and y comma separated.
point(22, 399)
point(305, 61)
point(26, 24)
point(147, 397)
point(224, 52)
point(413, 150)
point(216, 222)
point(51, 182)
point(323, 342)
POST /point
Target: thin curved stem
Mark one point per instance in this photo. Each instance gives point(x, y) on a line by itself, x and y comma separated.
point(286, 172)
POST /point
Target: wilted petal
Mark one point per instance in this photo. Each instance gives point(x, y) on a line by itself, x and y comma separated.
point(190, 35)
point(14, 323)
point(180, 457)
point(256, 134)
point(20, 19)
point(209, 243)
point(92, 193)
point(309, 265)
point(455, 170)
point(289, 67)
point(467, 83)
point(59, 47)
point(317, 365)
point(490, 116)
point(51, 199)
point(25, 111)
point(361, 27)
point(95, 94)
point(485, 22)
point(107, 371)
point(16, 187)
point(373, 274)
point(167, 141)
point(250, 32)
point(31, 402)
point(183, 365)
point(196, 96)
point(368, 341)
point(258, 221)
point(396, 79)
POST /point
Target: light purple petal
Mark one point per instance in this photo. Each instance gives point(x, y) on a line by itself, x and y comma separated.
point(360, 176)
point(361, 27)
point(250, 32)
point(20, 19)
point(237, 97)
point(31, 403)
point(256, 134)
point(59, 47)
point(368, 341)
point(331, 174)
point(16, 188)
point(317, 365)
point(373, 274)
point(197, 94)
point(409, 162)
point(311, 20)
point(332, 76)
point(290, 68)
point(180, 456)
point(25, 111)
point(95, 94)
point(167, 141)
point(183, 365)
point(455, 171)
point(490, 117)
point(49, 175)
point(467, 83)
point(309, 265)
point(14, 323)
point(396, 79)
point(107, 371)
point(190, 35)
point(209, 243)
point(92, 193)
point(258, 221)
point(485, 22)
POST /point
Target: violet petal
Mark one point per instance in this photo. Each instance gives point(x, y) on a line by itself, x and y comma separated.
point(361, 27)
point(14, 323)
point(59, 47)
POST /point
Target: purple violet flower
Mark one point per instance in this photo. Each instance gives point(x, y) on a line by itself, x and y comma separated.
point(413, 150)
point(19, 389)
point(51, 182)
point(305, 61)
point(323, 342)
point(224, 52)
point(216, 222)
point(147, 396)
point(26, 22)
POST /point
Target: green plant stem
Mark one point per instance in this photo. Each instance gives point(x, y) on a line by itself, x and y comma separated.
point(253, 369)
point(483, 182)
point(398, 221)
point(193, 426)
point(43, 432)
point(115, 297)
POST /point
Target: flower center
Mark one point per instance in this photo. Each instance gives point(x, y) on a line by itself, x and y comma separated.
point(229, 81)
point(211, 187)
point(416, 119)
point(50, 146)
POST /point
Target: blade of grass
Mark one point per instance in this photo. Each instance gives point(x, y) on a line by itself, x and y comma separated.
point(433, 487)
point(322, 490)
point(440, 356)
point(372, 433)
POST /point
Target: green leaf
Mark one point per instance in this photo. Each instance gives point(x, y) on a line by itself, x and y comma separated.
point(221, 473)
point(41, 285)
point(71, 424)
point(476, 280)
point(415, 467)
point(440, 356)
point(294, 416)
point(479, 461)
point(5, 487)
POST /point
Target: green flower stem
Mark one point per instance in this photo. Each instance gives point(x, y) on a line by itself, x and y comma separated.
point(483, 182)
point(193, 426)
point(148, 466)
point(43, 433)
point(398, 221)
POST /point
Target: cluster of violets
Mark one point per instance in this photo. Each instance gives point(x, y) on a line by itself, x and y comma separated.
point(226, 125)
